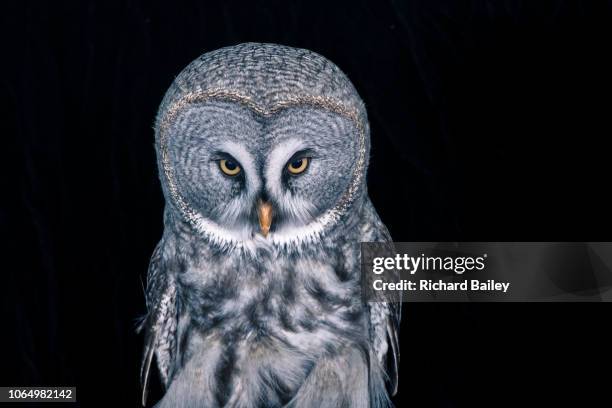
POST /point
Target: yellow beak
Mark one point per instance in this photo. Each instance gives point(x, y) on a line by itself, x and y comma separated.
point(264, 212)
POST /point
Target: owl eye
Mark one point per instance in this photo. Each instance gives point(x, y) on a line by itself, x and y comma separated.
point(298, 166)
point(229, 167)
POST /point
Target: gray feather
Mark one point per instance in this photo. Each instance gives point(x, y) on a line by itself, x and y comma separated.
point(159, 323)
point(384, 317)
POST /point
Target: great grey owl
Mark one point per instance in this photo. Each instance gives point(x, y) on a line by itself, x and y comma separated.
point(253, 292)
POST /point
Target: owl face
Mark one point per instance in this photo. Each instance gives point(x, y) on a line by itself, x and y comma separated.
point(250, 176)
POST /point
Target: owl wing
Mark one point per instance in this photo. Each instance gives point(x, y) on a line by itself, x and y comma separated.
point(160, 322)
point(384, 316)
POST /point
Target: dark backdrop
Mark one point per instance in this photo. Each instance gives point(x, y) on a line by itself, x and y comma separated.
point(490, 121)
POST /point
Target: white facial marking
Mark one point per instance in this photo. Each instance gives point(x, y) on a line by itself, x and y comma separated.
point(276, 164)
point(299, 210)
point(247, 162)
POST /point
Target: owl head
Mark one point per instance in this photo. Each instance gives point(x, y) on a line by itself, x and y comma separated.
point(261, 144)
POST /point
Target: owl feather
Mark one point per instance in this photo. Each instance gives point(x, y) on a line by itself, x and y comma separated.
point(160, 322)
point(385, 317)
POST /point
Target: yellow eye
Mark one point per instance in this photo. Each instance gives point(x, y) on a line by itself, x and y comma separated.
point(298, 166)
point(229, 167)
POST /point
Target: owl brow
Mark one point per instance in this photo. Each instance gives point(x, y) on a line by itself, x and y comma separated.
point(221, 155)
point(308, 153)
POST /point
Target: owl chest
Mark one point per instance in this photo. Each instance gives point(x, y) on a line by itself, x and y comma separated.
point(288, 299)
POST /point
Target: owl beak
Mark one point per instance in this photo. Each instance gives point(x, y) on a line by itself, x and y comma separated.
point(264, 213)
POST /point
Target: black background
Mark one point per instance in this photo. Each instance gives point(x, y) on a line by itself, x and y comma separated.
point(489, 120)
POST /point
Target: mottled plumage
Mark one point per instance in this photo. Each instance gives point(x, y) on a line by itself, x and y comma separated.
point(240, 317)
